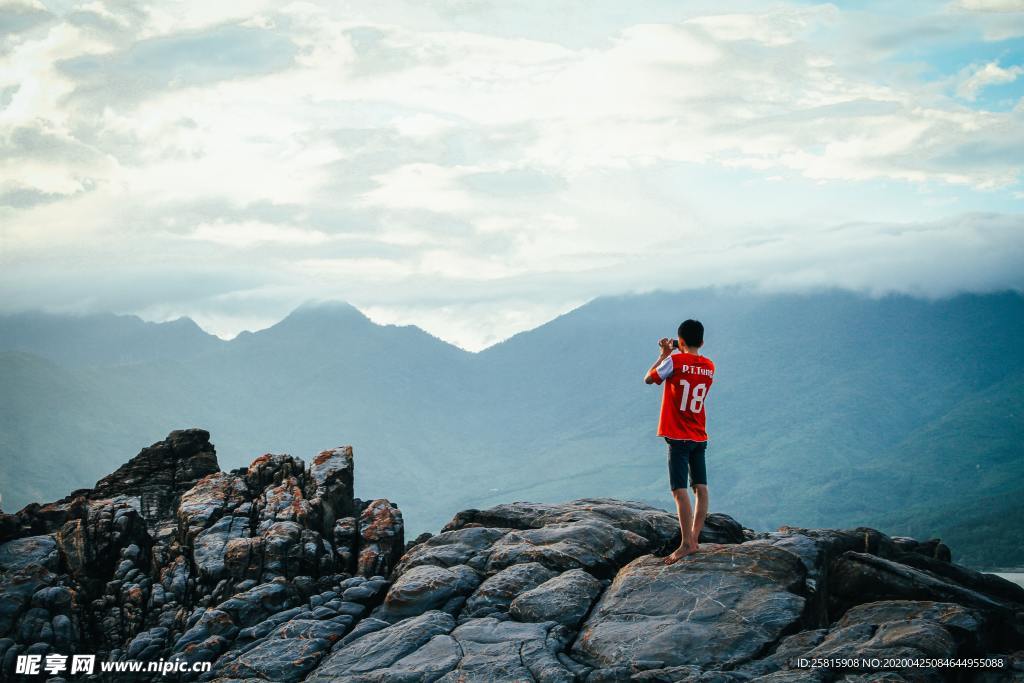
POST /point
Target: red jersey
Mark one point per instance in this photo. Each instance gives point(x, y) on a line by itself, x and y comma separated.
point(687, 380)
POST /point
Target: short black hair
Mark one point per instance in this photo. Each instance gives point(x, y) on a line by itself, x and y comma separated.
point(692, 332)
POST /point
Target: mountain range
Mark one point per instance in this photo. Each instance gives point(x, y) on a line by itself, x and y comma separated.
point(828, 408)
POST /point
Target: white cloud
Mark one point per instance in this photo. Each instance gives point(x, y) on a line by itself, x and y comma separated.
point(980, 77)
point(250, 233)
point(338, 271)
point(442, 163)
point(998, 20)
point(990, 5)
point(777, 26)
point(15, 8)
point(421, 186)
point(422, 125)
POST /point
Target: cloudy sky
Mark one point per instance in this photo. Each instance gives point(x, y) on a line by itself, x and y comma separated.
point(478, 167)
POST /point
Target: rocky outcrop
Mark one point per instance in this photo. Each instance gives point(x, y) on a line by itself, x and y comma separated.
point(277, 572)
point(169, 557)
point(158, 475)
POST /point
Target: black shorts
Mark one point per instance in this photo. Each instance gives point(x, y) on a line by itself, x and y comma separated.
point(686, 456)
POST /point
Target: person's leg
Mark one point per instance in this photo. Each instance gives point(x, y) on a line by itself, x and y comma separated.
point(686, 543)
point(699, 481)
point(677, 467)
point(700, 511)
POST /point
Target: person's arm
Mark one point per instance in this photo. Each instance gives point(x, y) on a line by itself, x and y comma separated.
point(662, 367)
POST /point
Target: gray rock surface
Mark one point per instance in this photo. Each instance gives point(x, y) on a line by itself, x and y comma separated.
point(510, 651)
point(332, 482)
point(716, 609)
point(211, 543)
point(468, 546)
point(276, 572)
point(428, 587)
point(380, 649)
point(286, 654)
point(599, 535)
point(497, 592)
point(31, 550)
point(381, 538)
point(565, 599)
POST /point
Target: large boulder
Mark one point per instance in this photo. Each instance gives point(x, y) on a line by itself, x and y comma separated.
point(380, 649)
point(208, 501)
point(565, 599)
point(965, 626)
point(510, 651)
point(497, 592)
point(382, 538)
point(286, 654)
point(657, 526)
point(721, 528)
point(426, 588)
point(16, 591)
point(598, 534)
point(990, 584)
point(818, 549)
point(210, 545)
point(289, 550)
point(211, 631)
point(468, 545)
point(919, 639)
point(285, 502)
point(592, 544)
point(426, 648)
point(345, 535)
point(435, 658)
point(784, 656)
point(861, 577)
point(640, 518)
point(260, 602)
point(331, 478)
point(31, 550)
point(884, 630)
point(717, 608)
point(270, 469)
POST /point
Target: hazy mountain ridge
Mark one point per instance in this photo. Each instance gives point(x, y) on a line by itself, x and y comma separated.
point(827, 397)
point(102, 338)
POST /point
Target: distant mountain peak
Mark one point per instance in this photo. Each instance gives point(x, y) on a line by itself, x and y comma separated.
point(326, 309)
point(314, 318)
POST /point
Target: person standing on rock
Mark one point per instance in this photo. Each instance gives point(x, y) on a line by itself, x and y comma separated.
point(687, 376)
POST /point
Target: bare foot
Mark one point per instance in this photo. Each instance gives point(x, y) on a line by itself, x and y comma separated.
point(679, 553)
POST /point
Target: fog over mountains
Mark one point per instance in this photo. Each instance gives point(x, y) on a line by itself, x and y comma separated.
point(828, 409)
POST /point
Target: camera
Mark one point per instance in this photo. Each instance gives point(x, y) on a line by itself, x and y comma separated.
point(675, 343)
